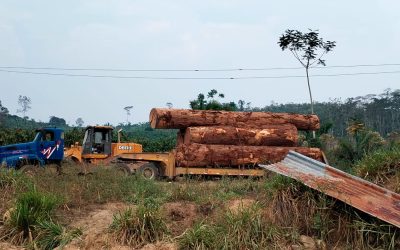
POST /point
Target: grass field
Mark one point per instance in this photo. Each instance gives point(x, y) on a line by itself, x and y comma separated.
point(107, 210)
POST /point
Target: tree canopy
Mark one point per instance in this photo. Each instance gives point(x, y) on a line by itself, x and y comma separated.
point(308, 48)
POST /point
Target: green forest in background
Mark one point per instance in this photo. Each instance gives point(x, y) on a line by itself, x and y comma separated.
point(350, 128)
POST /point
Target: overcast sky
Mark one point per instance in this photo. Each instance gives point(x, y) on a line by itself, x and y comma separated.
point(161, 34)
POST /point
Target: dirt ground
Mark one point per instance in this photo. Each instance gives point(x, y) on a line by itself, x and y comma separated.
point(95, 224)
point(179, 216)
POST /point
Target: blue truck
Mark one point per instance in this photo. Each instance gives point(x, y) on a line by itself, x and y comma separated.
point(46, 148)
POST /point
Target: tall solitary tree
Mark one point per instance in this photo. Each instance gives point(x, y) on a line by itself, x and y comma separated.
point(79, 122)
point(3, 113)
point(25, 103)
point(128, 113)
point(308, 49)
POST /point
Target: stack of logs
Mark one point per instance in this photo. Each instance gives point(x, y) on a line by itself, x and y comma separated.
point(223, 138)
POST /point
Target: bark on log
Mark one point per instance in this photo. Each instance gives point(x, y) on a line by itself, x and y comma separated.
point(183, 118)
point(201, 155)
point(270, 135)
point(180, 135)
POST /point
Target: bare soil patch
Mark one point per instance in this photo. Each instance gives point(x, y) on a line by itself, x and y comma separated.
point(180, 216)
point(94, 225)
point(9, 246)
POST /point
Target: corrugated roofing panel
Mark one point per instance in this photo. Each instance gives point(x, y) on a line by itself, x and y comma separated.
point(359, 193)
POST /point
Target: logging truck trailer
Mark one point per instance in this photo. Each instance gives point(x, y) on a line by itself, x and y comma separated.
point(155, 165)
point(167, 165)
point(98, 148)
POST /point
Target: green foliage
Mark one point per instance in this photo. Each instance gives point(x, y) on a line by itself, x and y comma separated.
point(238, 186)
point(379, 112)
point(360, 142)
point(30, 209)
point(380, 165)
point(316, 142)
point(375, 235)
point(246, 228)
point(278, 183)
point(52, 235)
point(212, 104)
point(182, 193)
point(9, 178)
point(57, 122)
point(152, 140)
point(11, 136)
point(306, 46)
point(3, 113)
point(200, 236)
point(3, 110)
point(16, 122)
point(73, 135)
point(142, 188)
point(308, 49)
point(136, 228)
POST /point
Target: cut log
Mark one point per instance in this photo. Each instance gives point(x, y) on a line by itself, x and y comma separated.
point(183, 118)
point(201, 155)
point(269, 135)
point(180, 135)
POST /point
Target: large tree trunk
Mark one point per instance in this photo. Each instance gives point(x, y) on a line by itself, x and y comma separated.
point(270, 135)
point(183, 118)
point(180, 135)
point(201, 155)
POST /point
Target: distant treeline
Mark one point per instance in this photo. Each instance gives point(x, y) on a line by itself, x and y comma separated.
point(380, 113)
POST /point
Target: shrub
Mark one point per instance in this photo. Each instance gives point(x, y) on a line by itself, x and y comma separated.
point(9, 177)
point(246, 229)
point(29, 210)
point(200, 236)
point(375, 235)
point(51, 235)
point(182, 193)
point(380, 165)
point(136, 228)
point(141, 189)
point(278, 183)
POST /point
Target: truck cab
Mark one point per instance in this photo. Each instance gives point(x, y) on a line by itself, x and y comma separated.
point(47, 147)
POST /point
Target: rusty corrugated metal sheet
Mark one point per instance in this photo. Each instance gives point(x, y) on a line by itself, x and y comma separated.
point(359, 193)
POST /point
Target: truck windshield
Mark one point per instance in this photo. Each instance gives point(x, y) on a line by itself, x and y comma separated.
point(38, 136)
point(100, 136)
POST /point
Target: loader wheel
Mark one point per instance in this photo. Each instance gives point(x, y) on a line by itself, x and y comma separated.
point(149, 171)
point(123, 169)
point(29, 170)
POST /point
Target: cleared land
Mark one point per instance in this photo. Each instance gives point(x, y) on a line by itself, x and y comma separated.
point(106, 209)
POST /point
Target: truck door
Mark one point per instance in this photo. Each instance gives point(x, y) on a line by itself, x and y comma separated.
point(47, 145)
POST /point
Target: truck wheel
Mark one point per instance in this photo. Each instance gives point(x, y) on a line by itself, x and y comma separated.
point(29, 170)
point(123, 169)
point(149, 171)
point(52, 168)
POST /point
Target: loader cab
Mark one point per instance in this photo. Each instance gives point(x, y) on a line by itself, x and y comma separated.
point(97, 140)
